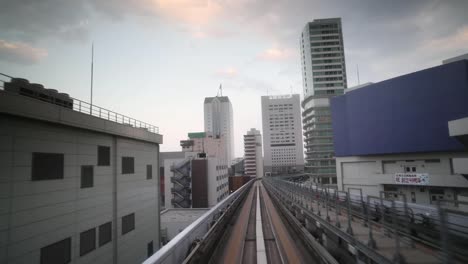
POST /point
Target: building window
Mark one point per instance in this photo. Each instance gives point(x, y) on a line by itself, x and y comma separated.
point(149, 249)
point(47, 166)
point(128, 223)
point(57, 253)
point(149, 172)
point(128, 165)
point(103, 156)
point(105, 233)
point(87, 241)
point(87, 176)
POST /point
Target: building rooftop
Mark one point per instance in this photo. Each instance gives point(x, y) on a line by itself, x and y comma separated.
point(21, 98)
point(220, 98)
point(182, 214)
point(193, 135)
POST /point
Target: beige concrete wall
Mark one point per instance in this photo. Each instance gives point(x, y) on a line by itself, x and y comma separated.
point(35, 214)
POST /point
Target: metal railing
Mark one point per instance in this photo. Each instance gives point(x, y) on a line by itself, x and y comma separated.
point(445, 230)
point(179, 248)
point(94, 110)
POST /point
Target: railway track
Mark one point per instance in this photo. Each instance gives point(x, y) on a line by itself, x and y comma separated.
point(258, 234)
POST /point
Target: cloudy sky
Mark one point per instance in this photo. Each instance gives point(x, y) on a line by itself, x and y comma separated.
point(155, 60)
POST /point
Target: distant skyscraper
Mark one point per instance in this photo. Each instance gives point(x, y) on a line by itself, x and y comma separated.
point(219, 121)
point(324, 76)
point(253, 162)
point(282, 134)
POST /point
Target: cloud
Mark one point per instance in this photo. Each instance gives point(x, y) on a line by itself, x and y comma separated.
point(30, 21)
point(374, 31)
point(275, 54)
point(227, 73)
point(21, 53)
point(456, 41)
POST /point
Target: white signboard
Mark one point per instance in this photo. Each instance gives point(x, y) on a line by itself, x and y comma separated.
point(412, 178)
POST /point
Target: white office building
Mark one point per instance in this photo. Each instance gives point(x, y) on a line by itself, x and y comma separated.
point(253, 159)
point(323, 76)
point(282, 134)
point(74, 187)
point(219, 121)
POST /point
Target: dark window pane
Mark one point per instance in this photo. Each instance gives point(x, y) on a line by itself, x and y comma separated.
point(103, 156)
point(57, 253)
point(149, 172)
point(149, 249)
point(128, 165)
point(87, 241)
point(105, 233)
point(128, 223)
point(47, 166)
point(87, 176)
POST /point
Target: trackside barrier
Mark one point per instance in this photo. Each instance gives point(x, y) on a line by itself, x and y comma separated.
point(177, 250)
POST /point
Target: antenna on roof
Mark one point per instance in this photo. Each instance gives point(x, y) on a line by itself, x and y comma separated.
point(92, 72)
point(291, 89)
point(220, 90)
point(359, 82)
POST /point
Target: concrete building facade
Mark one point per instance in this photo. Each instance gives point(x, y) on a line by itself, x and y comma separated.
point(324, 76)
point(253, 158)
point(390, 137)
point(218, 118)
point(282, 134)
point(74, 187)
point(197, 177)
point(206, 142)
point(194, 181)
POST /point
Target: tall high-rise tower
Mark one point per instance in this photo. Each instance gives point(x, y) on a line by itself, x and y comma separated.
point(324, 76)
point(282, 134)
point(253, 161)
point(219, 121)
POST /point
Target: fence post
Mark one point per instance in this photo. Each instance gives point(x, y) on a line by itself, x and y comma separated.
point(371, 243)
point(350, 229)
point(326, 205)
point(397, 257)
point(446, 256)
point(337, 209)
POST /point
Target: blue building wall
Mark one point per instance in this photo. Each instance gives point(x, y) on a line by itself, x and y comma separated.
point(402, 115)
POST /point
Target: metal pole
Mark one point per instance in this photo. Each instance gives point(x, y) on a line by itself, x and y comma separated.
point(446, 256)
point(92, 76)
point(337, 208)
point(371, 243)
point(382, 209)
point(326, 205)
point(397, 257)
point(318, 202)
point(350, 229)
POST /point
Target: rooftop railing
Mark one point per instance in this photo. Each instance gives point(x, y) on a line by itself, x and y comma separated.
point(80, 106)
